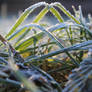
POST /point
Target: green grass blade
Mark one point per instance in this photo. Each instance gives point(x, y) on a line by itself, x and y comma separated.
point(36, 20)
point(66, 12)
point(27, 42)
point(56, 14)
point(22, 36)
point(24, 16)
point(41, 15)
point(17, 33)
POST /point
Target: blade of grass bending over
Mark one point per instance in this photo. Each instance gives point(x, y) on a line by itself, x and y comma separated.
point(36, 20)
point(56, 14)
point(46, 32)
point(38, 35)
point(71, 48)
point(41, 14)
point(24, 16)
point(29, 41)
point(39, 17)
point(51, 29)
point(62, 8)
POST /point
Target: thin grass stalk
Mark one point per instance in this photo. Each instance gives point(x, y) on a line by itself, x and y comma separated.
point(56, 14)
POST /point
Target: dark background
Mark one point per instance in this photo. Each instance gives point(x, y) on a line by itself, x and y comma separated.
point(13, 6)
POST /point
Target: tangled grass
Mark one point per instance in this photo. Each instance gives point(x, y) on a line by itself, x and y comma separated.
point(56, 49)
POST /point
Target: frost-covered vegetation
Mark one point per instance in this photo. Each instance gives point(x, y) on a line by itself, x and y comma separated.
point(38, 57)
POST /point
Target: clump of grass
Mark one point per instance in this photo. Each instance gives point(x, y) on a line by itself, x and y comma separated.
point(71, 39)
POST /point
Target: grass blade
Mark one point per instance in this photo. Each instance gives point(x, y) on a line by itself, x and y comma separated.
point(66, 11)
point(56, 14)
point(29, 41)
point(24, 16)
point(36, 20)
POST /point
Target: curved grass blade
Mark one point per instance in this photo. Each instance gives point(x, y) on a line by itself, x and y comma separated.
point(56, 14)
point(41, 15)
point(47, 32)
point(38, 35)
point(24, 16)
point(36, 20)
point(65, 11)
point(29, 41)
